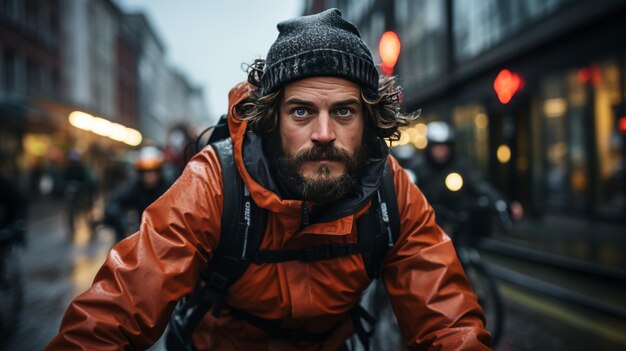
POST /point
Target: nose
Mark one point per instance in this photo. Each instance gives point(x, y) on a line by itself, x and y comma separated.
point(324, 132)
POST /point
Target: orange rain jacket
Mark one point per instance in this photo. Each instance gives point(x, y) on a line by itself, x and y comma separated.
point(133, 295)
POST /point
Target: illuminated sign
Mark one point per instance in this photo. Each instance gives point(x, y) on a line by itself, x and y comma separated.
point(507, 84)
point(389, 50)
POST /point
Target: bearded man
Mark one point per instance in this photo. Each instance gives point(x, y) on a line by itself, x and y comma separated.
point(308, 134)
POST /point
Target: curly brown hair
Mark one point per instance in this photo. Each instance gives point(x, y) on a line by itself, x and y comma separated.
point(382, 112)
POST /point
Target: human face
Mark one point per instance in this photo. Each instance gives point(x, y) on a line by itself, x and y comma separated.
point(440, 153)
point(150, 179)
point(321, 124)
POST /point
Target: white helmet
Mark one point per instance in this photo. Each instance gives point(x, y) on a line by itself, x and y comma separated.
point(149, 159)
point(439, 133)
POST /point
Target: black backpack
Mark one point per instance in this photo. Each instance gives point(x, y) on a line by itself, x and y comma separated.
point(243, 227)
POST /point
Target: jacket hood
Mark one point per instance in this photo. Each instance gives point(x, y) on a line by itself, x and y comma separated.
point(255, 170)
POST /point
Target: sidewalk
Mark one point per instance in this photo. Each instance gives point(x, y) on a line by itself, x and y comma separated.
point(569, 259)
point(593, 247)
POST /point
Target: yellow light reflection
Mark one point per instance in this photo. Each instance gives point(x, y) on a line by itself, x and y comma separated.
point(104, 127)
point(421, 128)
point(81, 120)
point(421, 142)
point(554, 107)
point(404, 137)
point(504, 153)
point(481, 121)
point(133, 137)
point(454, 181)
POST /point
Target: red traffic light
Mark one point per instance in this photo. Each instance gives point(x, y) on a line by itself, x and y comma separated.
point(507, 84)
point(389, 50)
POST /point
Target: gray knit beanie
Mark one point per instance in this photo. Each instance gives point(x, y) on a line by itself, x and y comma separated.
point(324, 44)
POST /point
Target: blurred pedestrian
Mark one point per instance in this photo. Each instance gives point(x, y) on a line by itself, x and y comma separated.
point(136, 196)
point(79, 186)
point(178, 139)
point(13, 213)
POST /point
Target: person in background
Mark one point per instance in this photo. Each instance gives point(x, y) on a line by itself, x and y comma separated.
point(79, 187)
point(141, 192)
point(176, 149)
point(13, 213)
point(451, 183)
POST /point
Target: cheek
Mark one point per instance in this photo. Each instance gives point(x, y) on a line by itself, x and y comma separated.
point(355, 138)
point(289, 143)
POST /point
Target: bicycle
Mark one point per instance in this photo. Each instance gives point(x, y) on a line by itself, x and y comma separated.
point(460, 225)
point(456, 223)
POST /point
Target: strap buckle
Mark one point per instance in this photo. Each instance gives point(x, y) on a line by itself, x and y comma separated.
point(217, 283)
point(314, 254)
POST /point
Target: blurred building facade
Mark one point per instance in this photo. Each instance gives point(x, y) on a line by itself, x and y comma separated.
point(61, 56)
point(535, 90)
point(30, 65)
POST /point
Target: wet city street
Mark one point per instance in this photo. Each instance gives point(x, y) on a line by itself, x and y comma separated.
point(55, 270)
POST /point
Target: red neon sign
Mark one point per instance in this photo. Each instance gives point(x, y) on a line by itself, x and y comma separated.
point(507, 84)
point(591, 73)
point(622, 125)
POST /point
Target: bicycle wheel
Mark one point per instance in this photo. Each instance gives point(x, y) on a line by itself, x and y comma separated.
point(386, 334)
point(486, 292)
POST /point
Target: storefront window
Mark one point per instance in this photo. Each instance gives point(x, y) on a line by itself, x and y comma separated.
point(422, 30)
point(471, 124)
point(481, 24)
point(563, 110)
point(584, 152)
point(609, 148)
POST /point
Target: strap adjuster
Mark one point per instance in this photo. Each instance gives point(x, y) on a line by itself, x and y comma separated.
point(217, 282)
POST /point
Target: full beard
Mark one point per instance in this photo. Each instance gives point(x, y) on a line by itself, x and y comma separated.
point(322, 188)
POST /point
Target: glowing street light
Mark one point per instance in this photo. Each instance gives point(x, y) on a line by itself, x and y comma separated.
point(105, 128)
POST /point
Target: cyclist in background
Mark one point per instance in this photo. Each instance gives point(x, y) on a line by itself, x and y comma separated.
point(452, 184)
point(136, 196)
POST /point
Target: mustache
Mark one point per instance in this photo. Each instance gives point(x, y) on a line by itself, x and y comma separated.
point(326, 152)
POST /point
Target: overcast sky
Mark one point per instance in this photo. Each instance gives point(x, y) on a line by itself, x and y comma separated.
point(208, 40)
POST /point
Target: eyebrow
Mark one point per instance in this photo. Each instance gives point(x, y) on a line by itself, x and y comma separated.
point(296, 101)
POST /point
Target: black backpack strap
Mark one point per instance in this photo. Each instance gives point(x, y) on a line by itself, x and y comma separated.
point(240, 239)
point(389, 204)
point(379, 228)
point(309, 254)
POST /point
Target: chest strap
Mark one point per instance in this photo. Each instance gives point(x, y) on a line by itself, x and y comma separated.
point(309, 254)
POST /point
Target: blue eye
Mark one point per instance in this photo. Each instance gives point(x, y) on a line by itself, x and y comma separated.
point(344, 112)
point(299, 112)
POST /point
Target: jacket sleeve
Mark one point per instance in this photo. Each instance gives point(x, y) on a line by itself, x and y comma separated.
point(429, 292)
point(134, 292)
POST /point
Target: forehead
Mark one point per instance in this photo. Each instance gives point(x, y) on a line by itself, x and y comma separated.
point(326, 88)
